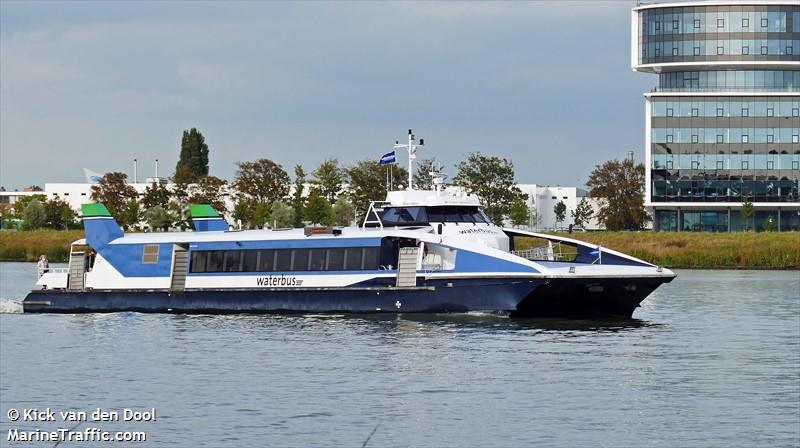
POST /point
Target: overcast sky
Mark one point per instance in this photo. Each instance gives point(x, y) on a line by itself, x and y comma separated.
point(97, 84)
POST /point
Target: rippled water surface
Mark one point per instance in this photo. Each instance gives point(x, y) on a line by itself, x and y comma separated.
point(712, 359)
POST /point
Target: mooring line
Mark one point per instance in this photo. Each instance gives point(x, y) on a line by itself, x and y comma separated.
point(364, 445)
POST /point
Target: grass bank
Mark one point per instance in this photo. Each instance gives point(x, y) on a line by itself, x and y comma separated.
point(740, 250)
point(765, 250)
point(27, 246)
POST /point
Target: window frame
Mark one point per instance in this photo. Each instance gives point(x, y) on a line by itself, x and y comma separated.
point(153, 256)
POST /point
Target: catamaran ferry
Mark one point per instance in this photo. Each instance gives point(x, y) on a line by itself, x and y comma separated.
point(420, 251)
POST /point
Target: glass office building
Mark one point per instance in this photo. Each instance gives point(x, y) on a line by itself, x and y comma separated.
point(723, 123)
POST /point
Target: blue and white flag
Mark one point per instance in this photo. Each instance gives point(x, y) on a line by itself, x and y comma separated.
point(388, 158)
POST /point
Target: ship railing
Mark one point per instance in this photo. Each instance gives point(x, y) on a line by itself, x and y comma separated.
point(58, 270)
point(549, 252)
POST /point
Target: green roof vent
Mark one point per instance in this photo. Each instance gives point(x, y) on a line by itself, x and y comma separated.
point(202, 211)
point(94, 210)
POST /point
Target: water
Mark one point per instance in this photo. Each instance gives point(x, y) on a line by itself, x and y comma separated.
point(712, 359)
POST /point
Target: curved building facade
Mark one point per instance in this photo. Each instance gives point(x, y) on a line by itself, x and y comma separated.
point(723, 122)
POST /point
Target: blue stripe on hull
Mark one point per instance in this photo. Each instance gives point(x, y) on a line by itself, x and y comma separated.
point(441, 298)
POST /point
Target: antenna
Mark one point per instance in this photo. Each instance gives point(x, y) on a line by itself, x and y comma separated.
point(135, 171)
point(412, 155)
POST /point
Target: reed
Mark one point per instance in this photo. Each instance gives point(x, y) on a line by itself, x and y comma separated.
point(28, 246)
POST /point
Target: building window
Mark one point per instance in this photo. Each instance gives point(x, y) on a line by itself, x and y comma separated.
point(553, 197)
point(796, 139)
point(796, 112)
point(770, 112)
point(669, 140)
point(697, 24)
point(770, 139)
point(719, 138)
point(764, 23)
point(669, 164)
point(670, 111)
point(697, 51)
point(745, 112)
point(658, 52)
point(674, 51)
point(789, 50)
point(796, 164)
point(720, 165)
point(745, 165)
point(695, 112)
point(745, 50)
point(695, 165)
point(695, 139)
point(764, 50)
point(675, 24)
point(720, 112)
point(720, 50)
point(150, 254)
point(745, 138)
point(745, 23)
point(658, 26)
point(770, 165)
point(720, 23)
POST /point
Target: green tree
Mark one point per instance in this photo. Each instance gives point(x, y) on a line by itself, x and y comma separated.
point(492, 180)
point(281, 214)
point(342, 212)
point(519, 212)
point(59, 215)
point(747, 212)
point(209, 190)
point(260, 215)
point(261, 181)
point(155, 195)
point(241, 211)
point(193, 157)
point(35, 217)
point(22, 203)
point(560, 209)
point(159, 218)
point(298, 201)
point(329, 177)
point(368, 183)
point(318, 210)
point(423, 179)
point(621, 187)
point(114, 191)
point(582, 213)
point(770, 225)
point(130, 215)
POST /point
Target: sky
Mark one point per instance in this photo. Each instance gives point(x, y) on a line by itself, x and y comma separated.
point(94, 85)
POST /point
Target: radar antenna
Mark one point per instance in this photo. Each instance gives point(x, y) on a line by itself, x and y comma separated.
point(411, 147)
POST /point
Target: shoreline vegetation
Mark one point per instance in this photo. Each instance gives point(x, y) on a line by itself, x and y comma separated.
point(689, 250)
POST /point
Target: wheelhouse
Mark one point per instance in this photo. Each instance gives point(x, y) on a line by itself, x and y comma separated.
point(391, 216)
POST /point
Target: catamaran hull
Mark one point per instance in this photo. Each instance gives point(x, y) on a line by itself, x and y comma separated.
point(589, 297)
point(440, 298)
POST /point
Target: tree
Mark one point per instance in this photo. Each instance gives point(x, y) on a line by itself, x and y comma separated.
point(342, 212)
point(260, 215)
point(560, 209)
point(621, 187)
point(770, 225)
point(113, 191)
point(298, 201)
point(281, 214)
point(519, 212)
point(329, 177)
point(35, 217)
point(159, 218)
point(747, 212)
point(59, 215)
point(155, 195)
point(130, 215)
point(423, 179)
point(241, 211)
point(193, 158)
point(492, 180)
point(261, 181)
point(368, 183)
point(582, 213)
point(22, 203)
point(209, 190)
point(318, 210)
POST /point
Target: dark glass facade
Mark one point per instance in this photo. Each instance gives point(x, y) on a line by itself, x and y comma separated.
point(724, 121)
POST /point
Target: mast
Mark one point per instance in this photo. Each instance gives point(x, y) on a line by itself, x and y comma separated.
point(412, 155)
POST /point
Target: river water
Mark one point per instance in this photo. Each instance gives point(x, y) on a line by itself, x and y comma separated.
point(712, 359)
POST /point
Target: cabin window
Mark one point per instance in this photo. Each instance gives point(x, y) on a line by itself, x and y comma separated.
point(286, 260)
point(456, 214)
point(300, 260)
point(150, 254)
point(404, 216)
